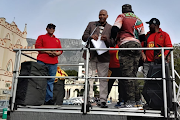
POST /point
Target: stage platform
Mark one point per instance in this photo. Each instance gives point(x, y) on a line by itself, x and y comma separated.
point(48, 112)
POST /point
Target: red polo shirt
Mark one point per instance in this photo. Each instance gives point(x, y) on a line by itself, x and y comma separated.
point(159, 38)
point(114, 59)
point(46, 41)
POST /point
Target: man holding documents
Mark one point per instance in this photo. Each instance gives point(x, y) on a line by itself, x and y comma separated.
point(99, 60)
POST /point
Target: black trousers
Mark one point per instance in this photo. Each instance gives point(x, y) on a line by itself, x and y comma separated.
point(58, 92)
point(116, 72)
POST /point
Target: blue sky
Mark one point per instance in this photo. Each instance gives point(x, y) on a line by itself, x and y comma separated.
point(72, 16)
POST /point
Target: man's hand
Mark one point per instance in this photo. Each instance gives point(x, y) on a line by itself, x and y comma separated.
point(143, 57)
point(95, 37)
point(56, 53)
point(103, 37)
point(50, 53)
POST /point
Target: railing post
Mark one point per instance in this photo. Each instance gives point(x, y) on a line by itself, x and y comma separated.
point(86, 82)
point(13, 78)
point(174, 84)
point(178, 92)
point(16, 79)
point(164, 83)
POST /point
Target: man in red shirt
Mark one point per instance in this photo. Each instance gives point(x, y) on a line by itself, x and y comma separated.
point(49, 58)
point(155, 38)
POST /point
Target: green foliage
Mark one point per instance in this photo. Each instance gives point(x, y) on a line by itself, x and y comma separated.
point(176, 52)
point(96, 92)
point(71, 72)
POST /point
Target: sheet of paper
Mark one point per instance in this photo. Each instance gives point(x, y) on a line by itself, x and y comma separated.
point(99, 44)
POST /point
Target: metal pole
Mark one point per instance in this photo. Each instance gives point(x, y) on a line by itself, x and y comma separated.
point(93, 32)
point(86, 76)
point(29, 56)
point(16, 79)
point(173, 76)
point(6, 99)
point(15, 65)
point(71, 64)
point(164, 83)
point(86, 81)
point(75, 77)
point(176, 74)
point(13, 79)
point(177, 85)
point(174, 83)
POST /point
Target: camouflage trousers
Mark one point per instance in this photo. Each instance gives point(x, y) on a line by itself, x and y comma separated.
point(129, 60)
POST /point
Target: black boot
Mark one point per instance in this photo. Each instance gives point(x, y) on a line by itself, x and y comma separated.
point(50, 102)
point(104, 105)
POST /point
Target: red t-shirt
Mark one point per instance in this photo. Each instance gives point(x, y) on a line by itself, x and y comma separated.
point(114, 59)
point(161, 38)
point(46, 41)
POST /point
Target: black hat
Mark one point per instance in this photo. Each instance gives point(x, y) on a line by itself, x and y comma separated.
point(154, 21)
point(51, 25)
point(127, 7)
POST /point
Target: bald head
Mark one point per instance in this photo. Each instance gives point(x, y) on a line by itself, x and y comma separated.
point(103, 15)
point(103, 11)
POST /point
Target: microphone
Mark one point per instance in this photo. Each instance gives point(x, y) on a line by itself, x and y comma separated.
point(97, 24)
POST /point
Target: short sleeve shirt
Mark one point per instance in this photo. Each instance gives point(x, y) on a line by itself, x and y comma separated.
point(130, 27)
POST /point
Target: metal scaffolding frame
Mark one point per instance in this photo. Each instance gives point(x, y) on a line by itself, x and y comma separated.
point(85, 108)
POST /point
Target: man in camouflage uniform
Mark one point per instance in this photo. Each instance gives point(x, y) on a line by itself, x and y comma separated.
point(128, 29)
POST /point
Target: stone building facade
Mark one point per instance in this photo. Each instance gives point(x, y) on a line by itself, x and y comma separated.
point(10, 38)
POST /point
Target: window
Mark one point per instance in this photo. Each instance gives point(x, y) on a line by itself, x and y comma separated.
point(7, 85)
point(18, 42)
point(7, 36)
point(9, 66)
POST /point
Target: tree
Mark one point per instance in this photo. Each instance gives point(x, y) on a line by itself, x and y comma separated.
point(71, 72)
point(96, 92)
point(176, 52)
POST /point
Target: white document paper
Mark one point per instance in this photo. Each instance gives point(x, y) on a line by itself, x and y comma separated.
point(99, 44)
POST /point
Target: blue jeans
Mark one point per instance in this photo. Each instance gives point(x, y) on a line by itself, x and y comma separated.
point(52, 72)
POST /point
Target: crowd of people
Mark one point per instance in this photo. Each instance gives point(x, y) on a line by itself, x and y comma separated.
point(127, 32)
